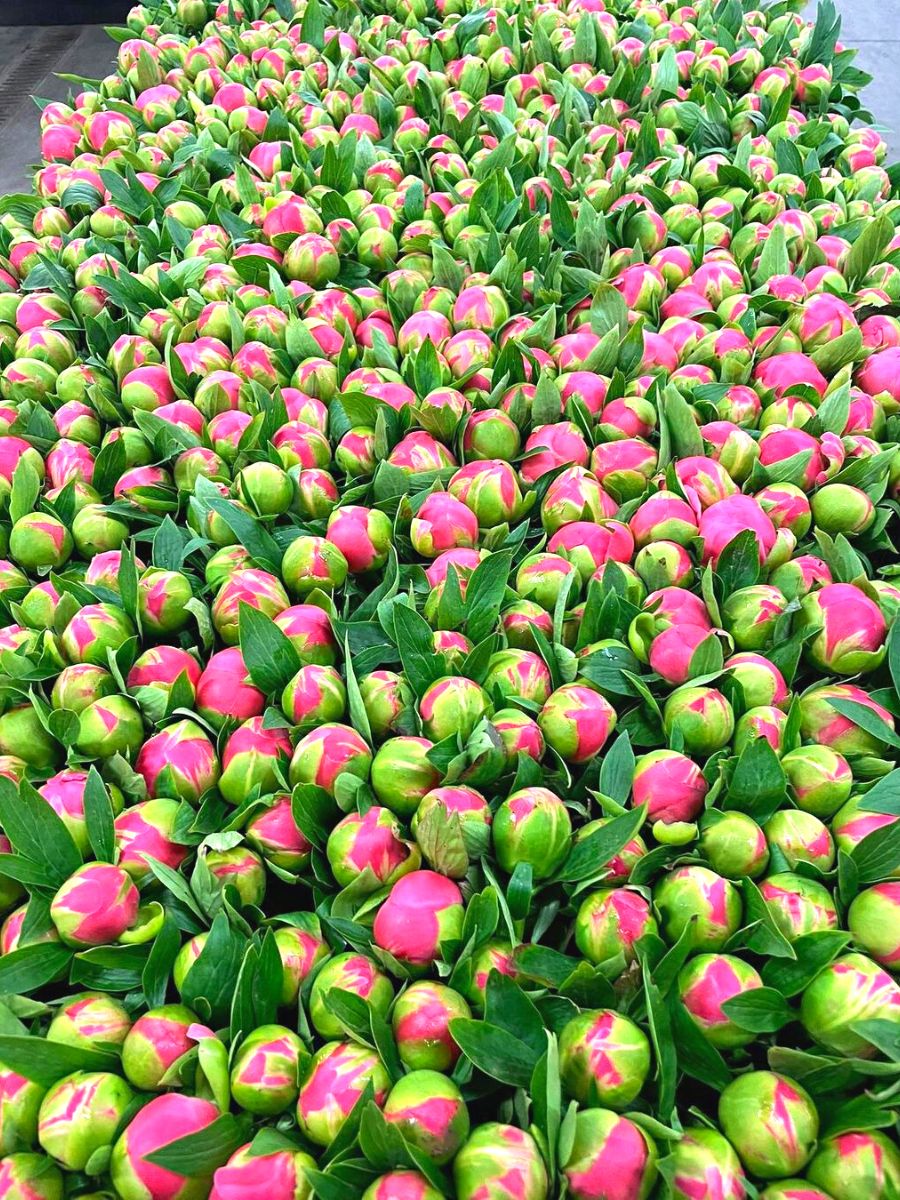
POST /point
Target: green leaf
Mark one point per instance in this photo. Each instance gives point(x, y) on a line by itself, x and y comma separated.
point(484, 594)
point(617, 769)
point(758, 786)
point(45, 1062)
point(209, 985)
point(359, 718)
point(759, 1010)
point(660, 1027)
point(738, 564)
point(495, 1051)
point(590, 854)
point(37, 832)
point(269, 654)
point(507, 1007)
point(774, 259)
point(26, 487)
point(32, 967)
point(697, 1056)
point(877, 856)
point(868, 249)
point(414, 640)
point(98, 815)
point(813, 951)
point(882, 1034)
point(199, 1154)
point(155, 976)
point(863, 716)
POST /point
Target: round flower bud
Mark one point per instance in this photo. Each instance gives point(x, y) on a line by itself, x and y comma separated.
point(370, 841)
point(705, 1167)
point(149, 829)
point(401, 1185)
point(857, 1166)
point(264, 1071)
point(156, 1041)
point(30, 1177)
point(178, 763)
point(107, 727)
point(670, 784)
point(771, 1122)
point(301, 948)
point(852, 630)
point(701, 716)
point(90, 1020)
point(697, 899)
point(335, 1079)
point(164, 1120)
point(421, 1022)
point(820, 779)
point(402, 773)
point(312, 562)
point(20, 1102)
point(280, 1175)
point(95, 906)
point(350, 972)
point(332, 750)
point(387, 699)
point(611, 1158)
point(604, 1059)
point(532, 826)
point(253, 758)
point(430, 1112)
point(576, 722)
point(274, 834)
point(851, 989)
point(80, 1115)
point(733, 844)
point(609, 922)
point(798, 905)
point(452, 705)
point(423, 912)
point(495, 1154)
point(800, 837)
point(708, 981)
point(872, 919)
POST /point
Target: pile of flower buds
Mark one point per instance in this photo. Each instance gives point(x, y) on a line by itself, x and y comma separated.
point(449, 668)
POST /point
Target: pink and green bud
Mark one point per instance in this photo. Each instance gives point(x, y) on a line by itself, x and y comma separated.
point(266, 489)
point(541, 578)
point(275, 835)
point(733, 844)
point(793, 1189)
point(315, 492)
point(604, 1059)
point(820, 779)
point(576, 722)
point(470, 807)
point(840, 508)
point(265, 1071)
point(498, 1162)
point(157, 670)
point(451, 705)
point(401, 1185)
point(518, 674)
point(316, 695)
point(280, 1175)
point(388, 700)
point(443, 523)
point(350, 972)
point(724, 519)
point(39, 541)
point(308, 629)
point(253, 758)
point(490, 489)
point(164, 1120)
point(155, 1042)
point(760, 680)
point(80, 685)
point(363, 535)
point(239, 868)
point(422, 915)
point(162, 596)
point(401, 771)
point(872, 919)
point(258, 589)
point(20, 1102)
point(421, 1023)
point(97, 531)
point(798, 905)
point(852, 989)
point(698, 900)
point(705, 1167)
point(707, 982)
point(80, 1115)
point(179, 763)
point(95, 631)
point(23, 736)
point(313, 562)
point(764, 721)
point(800, 837)
point(575, 496)
point(787, 506)
point(490, 434)
point(90, 1020)
point(95, 906)
point(821, 723)
point(372, 842)
point(64, 792)
point(750, 615)
point(532, 826)
point(332, 750)
point(771, 1122)
point(336, 1078)
point(670, 784)
point(701, 716)
point(430, 1112)
point(30, 1176)
point(857, 1166)
point(301, 948)
point(611, 1158)
point(609, 923)
point(852, 630)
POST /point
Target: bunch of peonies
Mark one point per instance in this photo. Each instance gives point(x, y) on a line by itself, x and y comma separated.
point(449, 466)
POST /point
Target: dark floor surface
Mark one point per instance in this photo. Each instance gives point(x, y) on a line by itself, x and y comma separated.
point(29, 57)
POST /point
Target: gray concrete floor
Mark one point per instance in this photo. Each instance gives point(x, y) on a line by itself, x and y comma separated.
point(30, 57)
